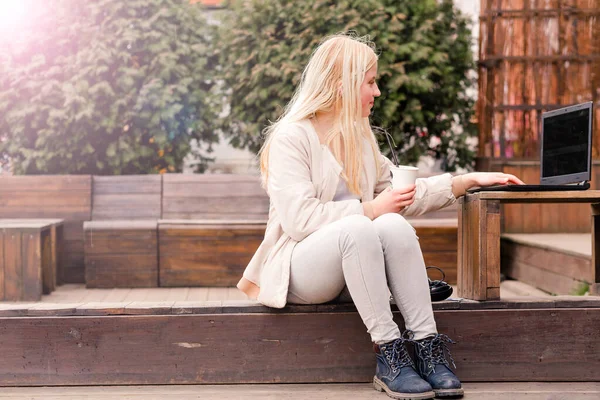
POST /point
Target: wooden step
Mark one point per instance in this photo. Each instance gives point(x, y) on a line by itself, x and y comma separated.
point(48, 344)
point(362, 391)
point(556, 263)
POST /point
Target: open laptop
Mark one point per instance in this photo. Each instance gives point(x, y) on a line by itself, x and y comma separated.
point(566, 152)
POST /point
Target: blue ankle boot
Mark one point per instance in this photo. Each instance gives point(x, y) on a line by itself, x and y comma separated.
point(430, 359)
point(396, 375)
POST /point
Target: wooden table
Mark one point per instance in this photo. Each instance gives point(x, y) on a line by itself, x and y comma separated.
point(478, 275)
point(29, 257)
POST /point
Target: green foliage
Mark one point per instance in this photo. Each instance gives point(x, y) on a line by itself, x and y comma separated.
point(581, 289)
point(425, 60)
point(106, 87)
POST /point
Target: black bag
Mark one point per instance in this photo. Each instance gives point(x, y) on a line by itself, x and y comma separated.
point(439, 289)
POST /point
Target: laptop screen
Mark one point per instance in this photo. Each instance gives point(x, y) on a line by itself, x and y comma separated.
point(565, 144)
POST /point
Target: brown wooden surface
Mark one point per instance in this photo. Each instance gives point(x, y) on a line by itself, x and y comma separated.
point(542, 345)
point(66, 197)
point(302, 391)
point(595, 262)
point(128, 197)
point(553, 260)
point(121, 254)
point(479, 249)
point(52, 275)
point(225, 196)
point(206, 255)
point(26, 261)
point(439, 246)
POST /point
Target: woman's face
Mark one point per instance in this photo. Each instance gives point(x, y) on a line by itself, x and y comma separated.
point(368, 91)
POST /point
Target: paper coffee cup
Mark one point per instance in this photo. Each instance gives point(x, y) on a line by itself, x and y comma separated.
point(403, 175)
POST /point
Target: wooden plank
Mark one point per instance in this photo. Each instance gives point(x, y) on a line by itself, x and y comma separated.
point(121, 254)
point(512, 213)
point(205, 255)
point(478, 256)
point(31, 267)
point(127, 184)
point(595, 261)
point(491, 213)
point(329, 391)
point(48, 260)
point(540, 278)
point(575, 196)
point(108, 350)
point(2, 264)
point(460, 255)
point(210, 197)
point(127, 197)
point(531, 213)
point(13, 280)
point(549, 259)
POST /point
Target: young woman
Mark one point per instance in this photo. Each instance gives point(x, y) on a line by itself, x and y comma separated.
point(335, 223)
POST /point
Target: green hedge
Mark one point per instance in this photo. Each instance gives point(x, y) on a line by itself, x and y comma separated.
point(106, 87)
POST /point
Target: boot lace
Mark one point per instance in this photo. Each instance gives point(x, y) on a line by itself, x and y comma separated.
point(397, 356)
point(432, 352)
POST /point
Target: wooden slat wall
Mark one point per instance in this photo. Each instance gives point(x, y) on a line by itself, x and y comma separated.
point(534, 56)
point(544, 218)
point(68, 197)
point(126, 197)
point(223, 197)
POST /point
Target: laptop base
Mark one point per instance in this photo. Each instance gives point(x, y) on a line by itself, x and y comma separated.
point(530, 188)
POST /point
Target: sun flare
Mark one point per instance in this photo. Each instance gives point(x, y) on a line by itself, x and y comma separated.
point(12, 13)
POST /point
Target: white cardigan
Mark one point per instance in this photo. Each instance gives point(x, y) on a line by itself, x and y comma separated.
point(302, 181)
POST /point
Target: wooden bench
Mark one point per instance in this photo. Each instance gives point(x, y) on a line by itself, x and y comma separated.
point(479, 237)
point(206, 252)
point(67, 197)
point(438, 239)
point(211, 226)
point(207, 229)
point(29, 255)
point(121, 243)
point(121, 254)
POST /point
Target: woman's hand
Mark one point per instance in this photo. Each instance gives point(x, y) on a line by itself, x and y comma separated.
point(390, 201)
point(462, 183)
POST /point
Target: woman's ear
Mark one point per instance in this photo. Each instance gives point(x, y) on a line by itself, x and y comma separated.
point(340, 89)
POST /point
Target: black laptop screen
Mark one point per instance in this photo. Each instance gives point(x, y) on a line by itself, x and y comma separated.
point(565, 143)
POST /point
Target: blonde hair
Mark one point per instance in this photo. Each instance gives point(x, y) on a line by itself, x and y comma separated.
point(340, 59)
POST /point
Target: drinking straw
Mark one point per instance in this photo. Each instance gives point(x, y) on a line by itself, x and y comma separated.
point(391, 143)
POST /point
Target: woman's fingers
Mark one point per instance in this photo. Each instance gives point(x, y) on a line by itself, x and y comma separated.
point(514, 179)
point(404, 196)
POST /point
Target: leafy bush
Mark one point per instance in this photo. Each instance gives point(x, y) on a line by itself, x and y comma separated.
point(106, 87)
point(424, 68)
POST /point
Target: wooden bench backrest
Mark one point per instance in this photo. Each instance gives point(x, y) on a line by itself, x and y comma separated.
point(68, 197)
point(216, 197)
point(126, 197)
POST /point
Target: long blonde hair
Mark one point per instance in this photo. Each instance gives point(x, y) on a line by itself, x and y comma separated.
point(339, 60)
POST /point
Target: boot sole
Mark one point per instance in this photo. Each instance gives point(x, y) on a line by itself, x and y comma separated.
point(452, 393)
point(382, 387)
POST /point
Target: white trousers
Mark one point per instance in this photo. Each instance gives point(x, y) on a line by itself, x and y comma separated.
point(366, 257)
